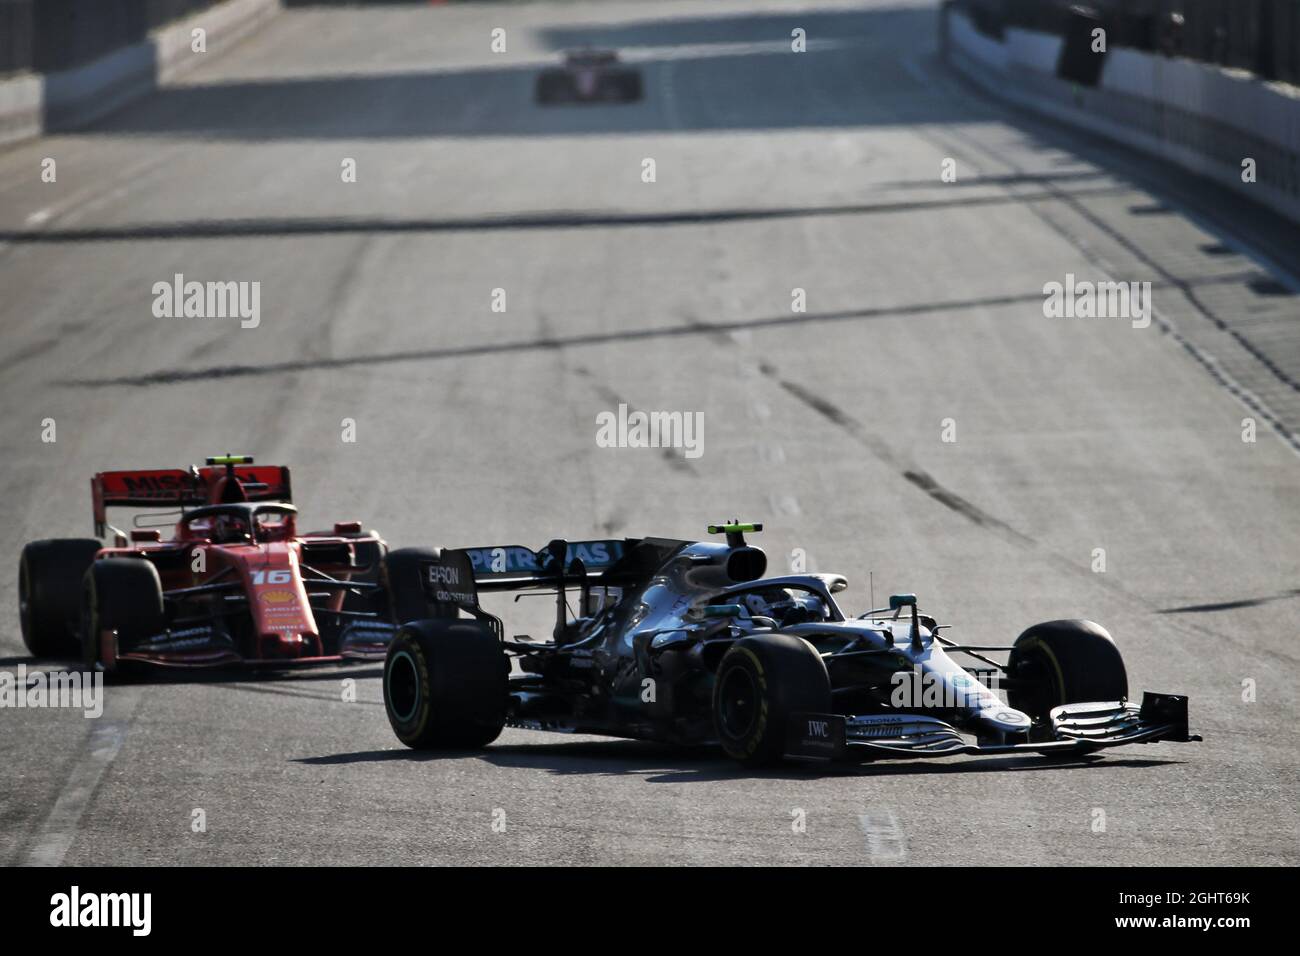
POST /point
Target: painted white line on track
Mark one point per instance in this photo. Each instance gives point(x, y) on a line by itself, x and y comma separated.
point(885, 843)
point(52, 841)
point(77, 203)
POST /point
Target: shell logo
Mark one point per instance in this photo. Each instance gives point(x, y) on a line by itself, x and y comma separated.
point(278, 597)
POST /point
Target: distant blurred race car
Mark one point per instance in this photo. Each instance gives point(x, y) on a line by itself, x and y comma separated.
point(235, 584)
point(589, 76)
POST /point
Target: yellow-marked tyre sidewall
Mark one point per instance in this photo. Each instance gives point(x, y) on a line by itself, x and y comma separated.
point(788, 676)
point(411, 728)
point(446, 685)
point(1077, 661)
point(747, 747)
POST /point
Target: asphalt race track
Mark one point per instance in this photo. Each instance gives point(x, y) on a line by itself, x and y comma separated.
point(774, 171)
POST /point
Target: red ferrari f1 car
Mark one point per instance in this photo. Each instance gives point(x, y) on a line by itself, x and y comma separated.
point(235, 584)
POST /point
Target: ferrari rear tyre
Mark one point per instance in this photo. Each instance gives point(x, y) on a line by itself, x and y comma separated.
point(49, 590)
point(370, 570)
point(445, 685)
point(1064, 662)
point(369, 555)
point(122, 595)
point(761, 681)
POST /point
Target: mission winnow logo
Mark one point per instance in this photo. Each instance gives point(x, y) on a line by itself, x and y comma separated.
point(78, 909)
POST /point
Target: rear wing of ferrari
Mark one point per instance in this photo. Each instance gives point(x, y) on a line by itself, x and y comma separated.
point(182, 488)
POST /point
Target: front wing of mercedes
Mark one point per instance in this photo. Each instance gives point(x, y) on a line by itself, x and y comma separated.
point(1075, 729)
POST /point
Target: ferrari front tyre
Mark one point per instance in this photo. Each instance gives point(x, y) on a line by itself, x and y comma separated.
point(1064, 662)
point(760, 683)
point(122, 595)
point(49, 587)
point(445, 685)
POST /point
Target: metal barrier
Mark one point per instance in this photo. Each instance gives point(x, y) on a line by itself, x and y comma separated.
point(47, 36)
point(15, 36)
point(1262, 36)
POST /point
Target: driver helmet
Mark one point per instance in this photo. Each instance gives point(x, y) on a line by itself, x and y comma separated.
point(812, 608)
point(797, 607)
point(227, 528)
point(757, 607)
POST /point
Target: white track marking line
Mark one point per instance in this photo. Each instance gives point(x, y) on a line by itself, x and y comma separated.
point(57, 832)
point(885, 842)
point(80, 201)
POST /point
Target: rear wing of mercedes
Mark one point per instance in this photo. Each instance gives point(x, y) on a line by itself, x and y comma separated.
point(453, 578)
point(184, 488)
point(511, 566)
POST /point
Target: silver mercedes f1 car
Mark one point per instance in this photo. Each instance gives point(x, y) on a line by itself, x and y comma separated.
point(688, 643)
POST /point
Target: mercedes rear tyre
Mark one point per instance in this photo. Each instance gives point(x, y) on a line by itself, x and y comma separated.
point(445, 685)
